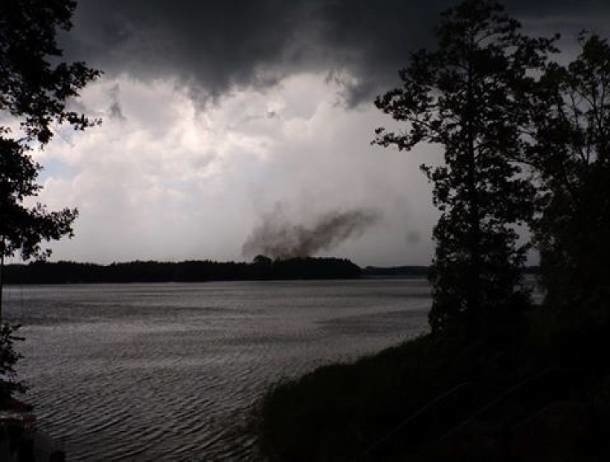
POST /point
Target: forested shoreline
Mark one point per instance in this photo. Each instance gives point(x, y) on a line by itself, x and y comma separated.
point(262, 268)
point(70, 272)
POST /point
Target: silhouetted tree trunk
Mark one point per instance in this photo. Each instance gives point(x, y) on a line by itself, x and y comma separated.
point(475, 228)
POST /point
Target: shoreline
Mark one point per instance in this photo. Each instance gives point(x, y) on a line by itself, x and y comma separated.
point(531, 394)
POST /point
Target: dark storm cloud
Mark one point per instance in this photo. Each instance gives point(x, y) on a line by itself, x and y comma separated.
point(213, 46)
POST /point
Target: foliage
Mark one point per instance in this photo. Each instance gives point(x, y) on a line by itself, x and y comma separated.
point(34, 86)
point(8, 360)
point(23, 228)
point(570, 151)
point(465, 96)
point(34, 90)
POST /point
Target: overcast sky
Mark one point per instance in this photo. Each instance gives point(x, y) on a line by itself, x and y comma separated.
point(218, 113)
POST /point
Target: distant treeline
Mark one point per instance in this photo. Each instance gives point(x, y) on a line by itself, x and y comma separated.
point(261, 268)
point(395, 271)
point(414, 271)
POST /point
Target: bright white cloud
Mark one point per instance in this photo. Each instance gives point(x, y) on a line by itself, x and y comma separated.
point(166, 179)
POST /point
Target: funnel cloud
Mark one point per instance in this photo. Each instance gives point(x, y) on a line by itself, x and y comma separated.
point(278, 238)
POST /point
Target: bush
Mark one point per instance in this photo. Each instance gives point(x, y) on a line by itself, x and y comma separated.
point(8, 359)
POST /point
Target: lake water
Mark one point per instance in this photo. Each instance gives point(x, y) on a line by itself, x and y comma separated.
point(171, 371)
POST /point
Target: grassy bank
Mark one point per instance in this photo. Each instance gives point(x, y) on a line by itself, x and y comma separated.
point(535, 394)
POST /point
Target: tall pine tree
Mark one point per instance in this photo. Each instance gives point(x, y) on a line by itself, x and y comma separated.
point(465, 96)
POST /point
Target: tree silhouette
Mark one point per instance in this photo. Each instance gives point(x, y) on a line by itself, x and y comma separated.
point(465, 96)
point(571, 155)
point(35, 87)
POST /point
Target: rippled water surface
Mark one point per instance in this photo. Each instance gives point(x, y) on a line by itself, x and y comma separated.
point(171, 371)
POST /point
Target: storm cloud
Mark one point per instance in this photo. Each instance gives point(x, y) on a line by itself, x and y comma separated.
point(214, 47)
point(213, 112)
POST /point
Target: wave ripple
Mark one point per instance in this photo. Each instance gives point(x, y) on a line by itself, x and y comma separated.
point(154, 372)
